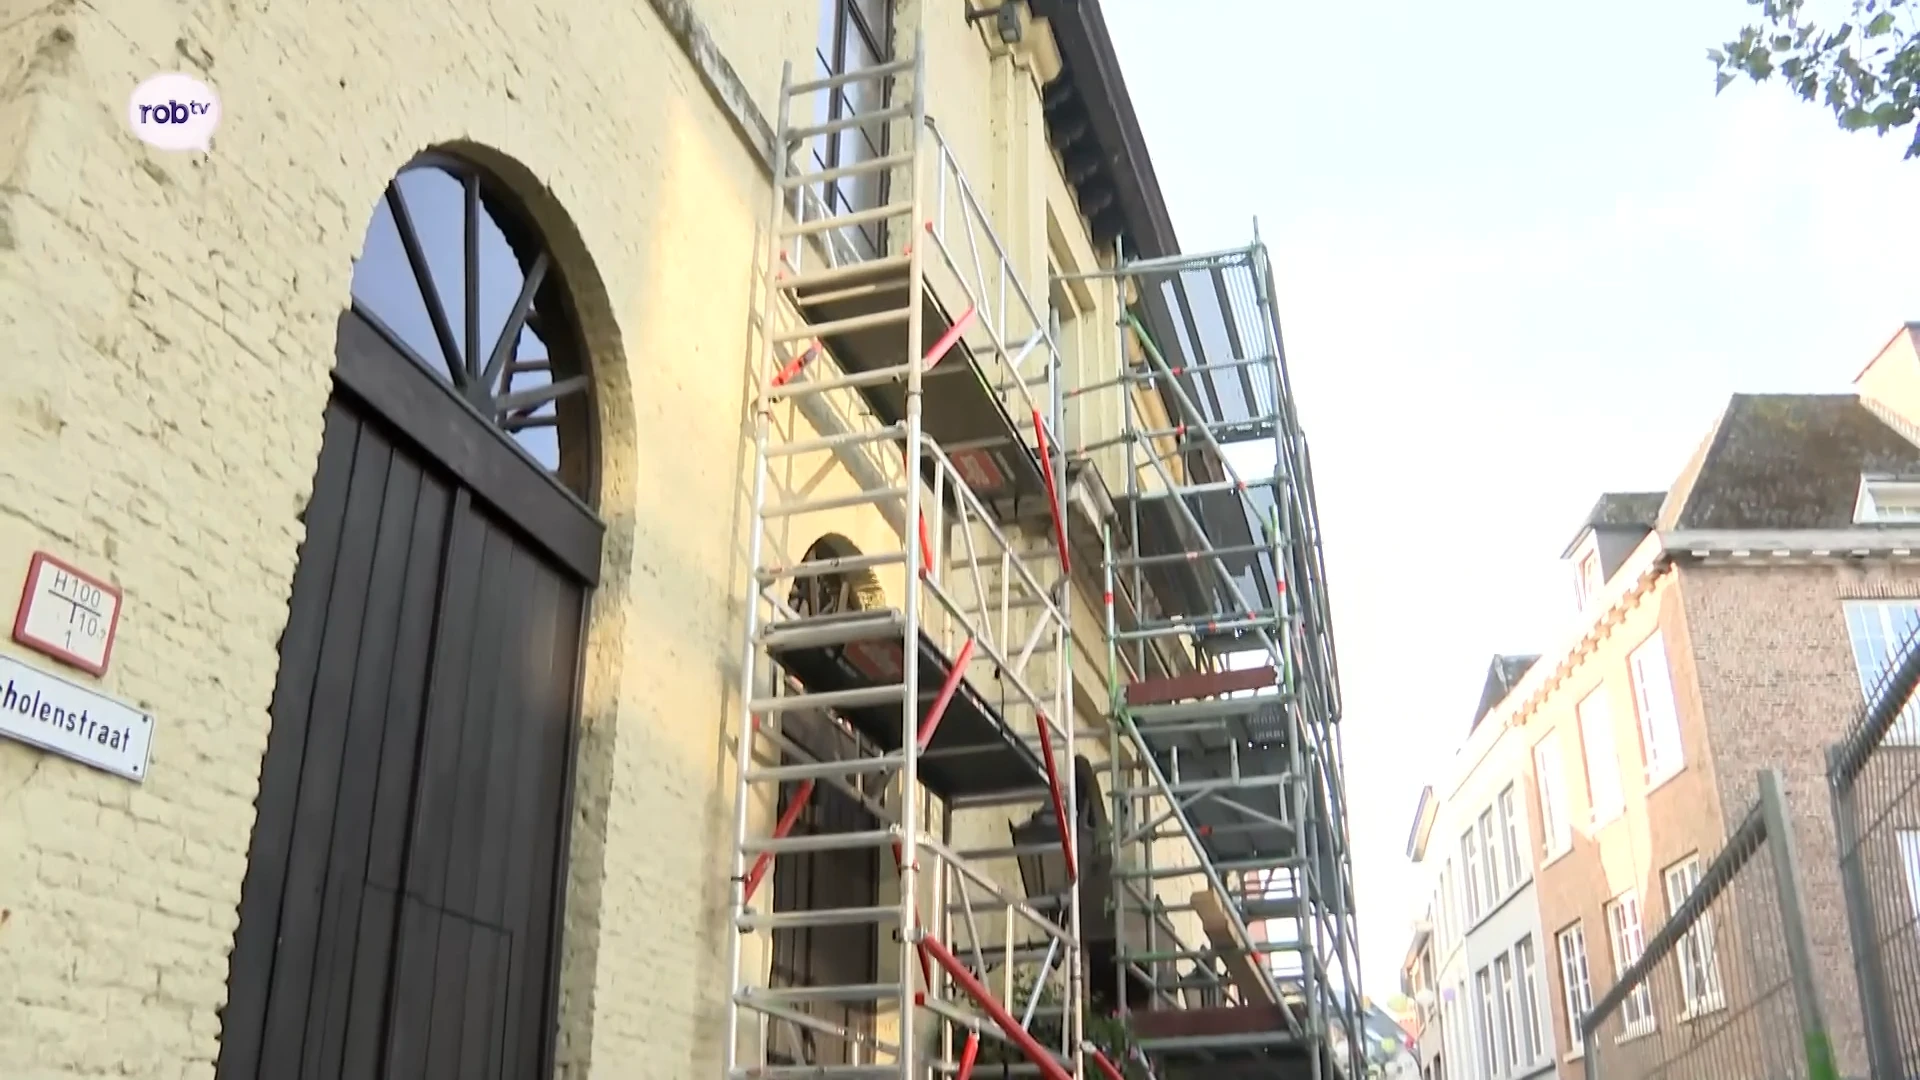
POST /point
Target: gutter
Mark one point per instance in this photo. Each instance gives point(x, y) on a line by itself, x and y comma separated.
point(1659, 552)
point(1080, 33)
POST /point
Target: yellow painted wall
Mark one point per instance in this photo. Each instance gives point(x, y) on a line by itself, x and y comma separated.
point(171, 328)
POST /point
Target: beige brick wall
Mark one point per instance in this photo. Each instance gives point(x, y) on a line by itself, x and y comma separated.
point(1778, 692)
point(1764, 676)
point(171, 320)
point(1658, 828)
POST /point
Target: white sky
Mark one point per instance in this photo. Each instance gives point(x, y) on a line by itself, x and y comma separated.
point(1524, 254)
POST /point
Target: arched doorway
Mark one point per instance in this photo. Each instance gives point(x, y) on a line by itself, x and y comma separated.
point(402, 905)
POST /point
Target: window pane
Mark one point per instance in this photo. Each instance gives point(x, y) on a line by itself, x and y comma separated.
point(1573, 980)
point(1909, 840)
point(1549, 776)
point(1509, 1011)
point(1490, 857)
point(1654, 701)
point(1529, 998)
point(1603, 762)
point(1877, 630)
point(1513, 831)
point(1470, 866)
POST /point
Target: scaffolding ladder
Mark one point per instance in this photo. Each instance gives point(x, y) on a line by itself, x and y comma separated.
point(859, 330)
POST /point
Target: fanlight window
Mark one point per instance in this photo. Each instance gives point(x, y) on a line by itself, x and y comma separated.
point(462, 285)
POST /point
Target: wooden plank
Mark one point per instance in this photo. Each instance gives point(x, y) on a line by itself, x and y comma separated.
point(472, 612)
point(538, 828)
point(456, 436)
point(1201, 1023)
point(1201, 684)
point(497, 660)
point(411, 994)
point(319, 786)
point(449, 997)
point(250, 968)
point(365, 722)
point(427, 565)
point(1235, 951)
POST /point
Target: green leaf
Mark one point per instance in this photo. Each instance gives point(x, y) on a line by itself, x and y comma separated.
point(1721, 81)
point(1881, 24)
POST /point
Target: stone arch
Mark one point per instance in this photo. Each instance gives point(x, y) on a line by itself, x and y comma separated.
point(460, 583)
point(611, 614)
point(856, 588)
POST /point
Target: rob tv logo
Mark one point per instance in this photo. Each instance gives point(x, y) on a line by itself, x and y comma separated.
point(174, 112)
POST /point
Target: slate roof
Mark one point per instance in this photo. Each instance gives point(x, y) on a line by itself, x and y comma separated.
point(1503, 675)
point(1787, 461)
point(1619, 509)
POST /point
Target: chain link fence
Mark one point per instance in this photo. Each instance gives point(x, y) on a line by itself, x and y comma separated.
point(1874, 778)
point(1725, 989)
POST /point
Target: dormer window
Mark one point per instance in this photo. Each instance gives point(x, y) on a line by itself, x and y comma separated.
point(1887, 501)
point(1587, 580)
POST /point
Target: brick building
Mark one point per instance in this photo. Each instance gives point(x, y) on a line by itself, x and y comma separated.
point(1480, 947)
point(1730, 624)
point(414, 432)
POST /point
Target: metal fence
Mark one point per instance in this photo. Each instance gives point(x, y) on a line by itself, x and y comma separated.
point(1874, 777)
point(1725, 989)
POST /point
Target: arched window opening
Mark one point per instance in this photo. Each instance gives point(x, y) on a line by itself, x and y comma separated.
point(460, 281)
point(836, 591)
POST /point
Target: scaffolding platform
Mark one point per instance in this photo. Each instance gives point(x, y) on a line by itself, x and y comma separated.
point(1225, 1043)
point(1238, 795)
point(987, 444)
point(1232, 521)
point(973, 754)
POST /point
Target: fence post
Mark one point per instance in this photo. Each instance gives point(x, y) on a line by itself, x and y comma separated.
point(1793, 927)
point(1883, 1054)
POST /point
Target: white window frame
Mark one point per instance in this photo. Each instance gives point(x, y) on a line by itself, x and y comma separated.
point(1506, 985)
point(1626, 934)
point(1909, 844)
point(1487, 1022)
point(1576, 981)
point(1606, 790)
point(1462, 1023)
point(1470, 866)
point(1550, 786)
point(1875, 628)
point(1886, 501)
point(1513, 827)
point(1495, 866)
point(1526, 964)
point(1586, 577)
point(1701, 989)
point(1657, 708)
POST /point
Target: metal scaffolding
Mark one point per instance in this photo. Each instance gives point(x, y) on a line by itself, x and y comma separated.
point(1237, 765)
point(902, 350)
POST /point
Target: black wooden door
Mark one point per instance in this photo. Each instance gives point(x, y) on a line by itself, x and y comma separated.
point(845, 955)
point(399, 919)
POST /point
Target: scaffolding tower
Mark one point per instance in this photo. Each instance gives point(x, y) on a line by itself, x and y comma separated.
point(1228, 775)
point(903, 350)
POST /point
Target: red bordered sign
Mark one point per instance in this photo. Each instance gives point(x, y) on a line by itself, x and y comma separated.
point(67, 614)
